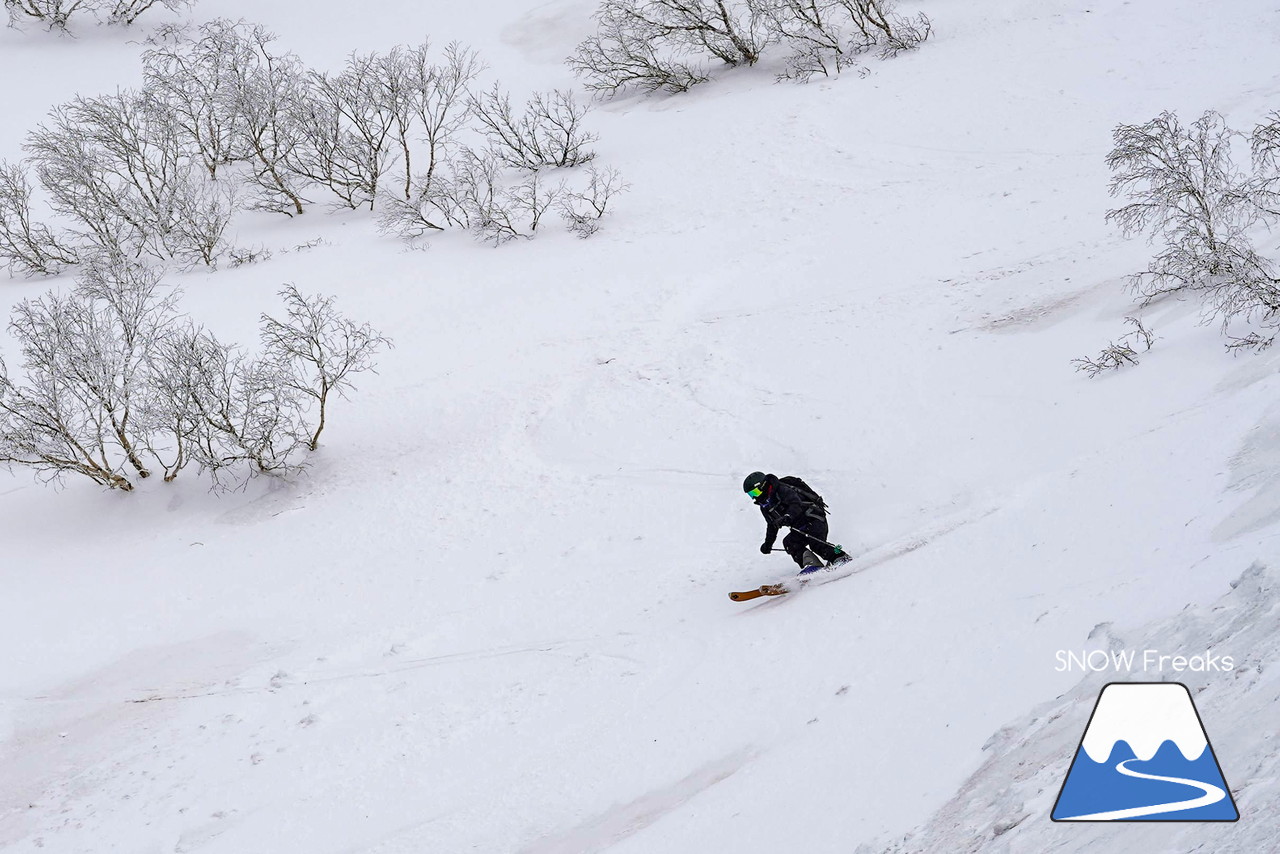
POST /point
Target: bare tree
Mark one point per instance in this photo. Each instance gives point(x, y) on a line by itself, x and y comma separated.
point(643, 43)
point(473, 196)
point(85, 360)
point(622, 56)
point(399, 96)
point(733, 33)
point(548, 133)
point(55, 14)
point(441, 99)
point(812, 30)
point(878, 25)
point(116, 164)
point(40, 430)
point(315, 350)
point(202, 215)
point(582, 211)
point(827, 36)
point(437, 96)
point(214, 406)
point(422, 96)
point(193, 75)
point(330, 155)
point(409, 219)
point(125, 12)
point(1188, 195)
point(534, 196)
point(1265, 142)
point(26, 246)
point(265, 93)
point(348, 124)
point(648, 44)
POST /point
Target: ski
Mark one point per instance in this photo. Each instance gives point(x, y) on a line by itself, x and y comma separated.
point(762, 590)
point(778, 589)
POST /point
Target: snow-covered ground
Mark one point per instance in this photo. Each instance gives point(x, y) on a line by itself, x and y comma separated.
point(493, 616)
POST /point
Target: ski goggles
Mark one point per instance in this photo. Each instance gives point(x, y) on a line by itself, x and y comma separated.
point(756, 492)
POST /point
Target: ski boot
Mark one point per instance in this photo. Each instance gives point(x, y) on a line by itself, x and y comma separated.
point(809, 563)
point(842, 557)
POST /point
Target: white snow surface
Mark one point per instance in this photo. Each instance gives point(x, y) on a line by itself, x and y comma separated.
point(1145, 717)
point(493, 617)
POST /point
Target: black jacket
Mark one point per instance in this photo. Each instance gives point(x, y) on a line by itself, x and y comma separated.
point(784, 506)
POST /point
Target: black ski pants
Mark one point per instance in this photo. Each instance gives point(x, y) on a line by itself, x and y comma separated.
point(796, 542)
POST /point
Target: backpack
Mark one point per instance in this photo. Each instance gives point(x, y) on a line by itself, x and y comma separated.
point(808, 493)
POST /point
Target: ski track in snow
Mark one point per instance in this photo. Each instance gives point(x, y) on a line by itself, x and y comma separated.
point(874, 557)
point(617, 824)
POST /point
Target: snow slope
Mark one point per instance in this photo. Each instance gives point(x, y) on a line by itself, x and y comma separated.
point(493, 617)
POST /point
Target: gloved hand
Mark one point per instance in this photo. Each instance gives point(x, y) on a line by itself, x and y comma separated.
point(765, 548)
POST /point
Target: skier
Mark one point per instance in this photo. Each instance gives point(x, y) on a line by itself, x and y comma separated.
point(790, 502)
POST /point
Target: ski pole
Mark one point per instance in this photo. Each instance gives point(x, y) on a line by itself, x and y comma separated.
point(839, 548)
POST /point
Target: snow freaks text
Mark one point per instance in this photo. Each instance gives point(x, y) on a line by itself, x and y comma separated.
point(1145, 661)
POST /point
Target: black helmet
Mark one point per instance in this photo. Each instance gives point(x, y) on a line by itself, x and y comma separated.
point(754, 481)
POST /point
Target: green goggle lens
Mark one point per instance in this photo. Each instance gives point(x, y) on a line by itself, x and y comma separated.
point(756, 492)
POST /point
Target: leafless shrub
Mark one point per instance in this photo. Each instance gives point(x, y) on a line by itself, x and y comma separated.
point(622, 56)
point(310, 244)
point(582, 211)
point(409, 219)
point(347, 122)
point(534, 196)
point(1253, 341)
point(317, 350)
point(829, 36)
point(222, 410)
point(1265, 142)
point(26, 246)
point(648, 44)
point(733, 33)
point(125, 12)
point(227, 117)
point(266, 93)
point(428, 98)
point(548, 133)
point(119, 384)
point(877, 25)
point(192, 74)
point(54, 14)
point(245, 255)
point(907, 34)
point(1188, 195)
point(85, 358)
point(817, 42)
point(473, 196)
point(116, 165)
point(57, 14)
point(1118, 353)
point(643, 43)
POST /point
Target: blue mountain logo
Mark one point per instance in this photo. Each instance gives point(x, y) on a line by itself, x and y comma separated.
point(1145, 756)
